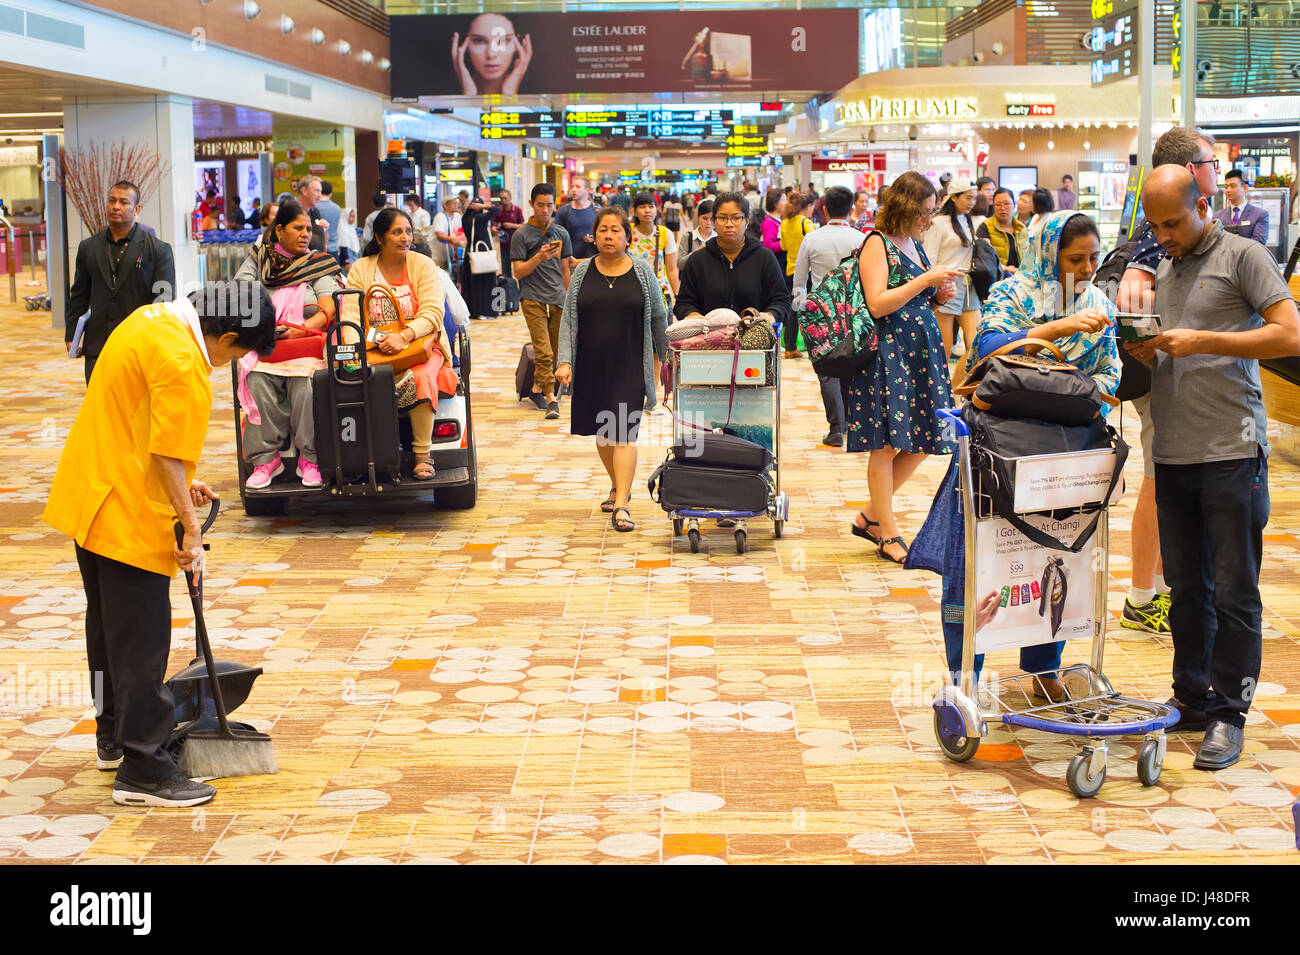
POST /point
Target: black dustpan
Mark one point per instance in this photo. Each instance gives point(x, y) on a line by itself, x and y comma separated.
point(210, 744)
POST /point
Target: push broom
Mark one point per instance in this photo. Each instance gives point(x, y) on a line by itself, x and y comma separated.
point(223, 750)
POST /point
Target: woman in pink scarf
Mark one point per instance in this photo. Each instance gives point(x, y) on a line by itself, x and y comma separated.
point(276, 395)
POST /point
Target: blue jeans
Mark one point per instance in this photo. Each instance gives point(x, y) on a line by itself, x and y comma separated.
point(1212, 519)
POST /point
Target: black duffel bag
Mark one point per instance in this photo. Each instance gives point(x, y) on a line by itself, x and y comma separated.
point(676, 486)
point(1033, 386)
point(997, 442)
point(721, 450)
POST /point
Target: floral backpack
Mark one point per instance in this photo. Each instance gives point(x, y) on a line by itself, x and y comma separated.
point(837, 325)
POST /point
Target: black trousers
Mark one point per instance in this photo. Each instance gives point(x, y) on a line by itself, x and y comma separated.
point(128, 636)
point(90, 365)
point(1212, 519)
point(835, 401)
point(790, 330)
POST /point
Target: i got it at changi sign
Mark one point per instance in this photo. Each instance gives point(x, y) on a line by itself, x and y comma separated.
point(638, 51)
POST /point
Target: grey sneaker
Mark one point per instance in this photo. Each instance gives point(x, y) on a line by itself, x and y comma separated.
point(538, 400)
point(108, 755)
point(175, 793)
point(553, 410)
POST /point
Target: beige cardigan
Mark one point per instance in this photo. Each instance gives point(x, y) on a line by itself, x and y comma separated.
point(426, 284)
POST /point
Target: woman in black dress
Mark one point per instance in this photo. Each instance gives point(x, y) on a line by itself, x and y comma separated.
point(613, 326)
point(480, 290)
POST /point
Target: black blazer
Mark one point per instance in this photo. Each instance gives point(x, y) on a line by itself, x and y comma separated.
point(147, 262)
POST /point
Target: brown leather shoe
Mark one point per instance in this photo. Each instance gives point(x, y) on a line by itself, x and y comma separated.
point(1049, 689)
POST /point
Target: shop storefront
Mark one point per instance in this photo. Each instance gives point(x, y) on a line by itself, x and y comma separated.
point(236, 171)
point(1000, 121)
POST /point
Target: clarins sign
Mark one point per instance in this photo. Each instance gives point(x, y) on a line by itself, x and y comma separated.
point(884, 109)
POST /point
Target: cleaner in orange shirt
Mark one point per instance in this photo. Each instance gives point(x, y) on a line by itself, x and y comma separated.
point(126, 473)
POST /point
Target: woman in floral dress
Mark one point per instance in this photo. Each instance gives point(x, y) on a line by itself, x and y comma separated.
point(893, 405)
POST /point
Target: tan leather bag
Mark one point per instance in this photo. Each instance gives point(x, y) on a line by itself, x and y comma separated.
point(416, 353)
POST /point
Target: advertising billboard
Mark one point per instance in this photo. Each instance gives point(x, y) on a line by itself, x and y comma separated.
point(638, 51)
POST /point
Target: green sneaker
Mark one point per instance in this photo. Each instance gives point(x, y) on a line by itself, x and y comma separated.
point(1152, 616)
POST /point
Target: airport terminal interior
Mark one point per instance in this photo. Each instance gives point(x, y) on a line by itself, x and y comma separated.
point(487, 667)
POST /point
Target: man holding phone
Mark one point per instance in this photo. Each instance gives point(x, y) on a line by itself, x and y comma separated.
point(539, 255)
point(1223, 305)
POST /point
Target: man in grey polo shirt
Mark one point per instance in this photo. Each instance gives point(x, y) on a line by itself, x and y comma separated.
point(1223, 305)
point(539, 253)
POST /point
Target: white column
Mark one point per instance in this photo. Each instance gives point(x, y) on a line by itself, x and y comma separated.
point(350, 197)
point(164, 123)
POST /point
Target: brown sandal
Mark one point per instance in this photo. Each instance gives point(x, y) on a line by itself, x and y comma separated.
point(423, 470)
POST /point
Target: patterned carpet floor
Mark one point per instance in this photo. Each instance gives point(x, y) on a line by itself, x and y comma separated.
point(518, 683)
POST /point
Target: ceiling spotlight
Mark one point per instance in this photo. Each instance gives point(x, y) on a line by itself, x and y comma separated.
point(1022, 145)
point(1051, 144)
point(317, 36)
point(251, 9)
point(367, 57)
point(1087, 144)
point(385, 64)
point(344, 47)
point(286, 25)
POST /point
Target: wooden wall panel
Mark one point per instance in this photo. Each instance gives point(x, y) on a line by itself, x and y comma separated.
point(224, 24)
point(1004, 149)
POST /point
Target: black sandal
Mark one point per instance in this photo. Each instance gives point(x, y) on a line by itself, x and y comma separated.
point(880, 550)
point(625, 525)
point(864, 532)
point(607, 505)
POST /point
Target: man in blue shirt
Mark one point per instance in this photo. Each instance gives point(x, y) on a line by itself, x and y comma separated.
point(1148, 602)
point(331, 213)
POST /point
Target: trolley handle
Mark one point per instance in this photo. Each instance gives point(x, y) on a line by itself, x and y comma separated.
point(959, 426)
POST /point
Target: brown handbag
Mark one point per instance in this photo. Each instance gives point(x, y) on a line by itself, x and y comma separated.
point(416, 353)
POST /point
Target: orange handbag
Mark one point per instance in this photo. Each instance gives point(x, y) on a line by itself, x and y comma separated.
point(416, 353)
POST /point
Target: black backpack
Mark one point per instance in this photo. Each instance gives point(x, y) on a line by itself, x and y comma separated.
point(1135, 377)
point(985, 267)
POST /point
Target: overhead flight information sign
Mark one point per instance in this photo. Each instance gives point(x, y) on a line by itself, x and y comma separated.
point(657, 123)
point(521, 124)
point(1113, 40)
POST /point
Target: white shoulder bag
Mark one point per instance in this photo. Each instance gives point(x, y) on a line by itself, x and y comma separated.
point(483, 259)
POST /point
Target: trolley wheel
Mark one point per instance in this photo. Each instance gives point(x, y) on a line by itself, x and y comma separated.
point(1149, 763)
point(678, 525)
point(778, 528)
point(1081, 784)
point(741, 541)
point(694, 536)
point(950, 733)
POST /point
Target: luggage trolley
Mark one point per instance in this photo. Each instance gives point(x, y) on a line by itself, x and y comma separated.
point(1092, 709)
point(739, 390)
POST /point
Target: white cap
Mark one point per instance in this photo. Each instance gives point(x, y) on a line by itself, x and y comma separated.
point(959, 185)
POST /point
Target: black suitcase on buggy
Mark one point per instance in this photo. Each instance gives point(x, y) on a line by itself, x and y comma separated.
point(681, 485)
point(355, 407)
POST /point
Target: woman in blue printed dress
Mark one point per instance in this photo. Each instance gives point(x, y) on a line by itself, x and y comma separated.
point(893, 405)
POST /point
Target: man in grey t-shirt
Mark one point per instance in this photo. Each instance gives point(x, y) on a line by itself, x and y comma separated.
point(1223, 306)
point(539, 254)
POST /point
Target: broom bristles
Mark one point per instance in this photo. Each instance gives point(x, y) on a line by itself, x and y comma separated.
point(215, 758)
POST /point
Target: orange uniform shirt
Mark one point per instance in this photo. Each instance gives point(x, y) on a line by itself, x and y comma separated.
point(150, 394)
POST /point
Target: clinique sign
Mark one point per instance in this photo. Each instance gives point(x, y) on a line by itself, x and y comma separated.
point(878, 108)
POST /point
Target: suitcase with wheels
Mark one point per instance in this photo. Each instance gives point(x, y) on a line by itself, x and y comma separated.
point(677, 486)
point(524, 372)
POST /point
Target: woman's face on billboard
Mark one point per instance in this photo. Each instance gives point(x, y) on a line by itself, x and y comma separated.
point(492, 45)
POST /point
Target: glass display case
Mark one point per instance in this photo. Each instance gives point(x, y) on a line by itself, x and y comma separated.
point(1100, 186)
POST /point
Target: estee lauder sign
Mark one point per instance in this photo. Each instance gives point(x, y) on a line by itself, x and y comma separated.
point(879, 109)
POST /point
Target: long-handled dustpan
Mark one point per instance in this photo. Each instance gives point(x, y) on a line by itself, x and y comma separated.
point(207, 749)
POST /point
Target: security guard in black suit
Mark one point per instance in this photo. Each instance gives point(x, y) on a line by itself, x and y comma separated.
point(118, 270)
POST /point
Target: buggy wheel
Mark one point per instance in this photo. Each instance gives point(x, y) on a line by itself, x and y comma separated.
point(951, 734)
point(678, 526)
point(1149, 763)
point(778, 528)
point(1081, 784)
point(694, 535)
point(741, 541)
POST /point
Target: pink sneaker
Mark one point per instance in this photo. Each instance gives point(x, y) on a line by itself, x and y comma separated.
point(310, 474)
point(263, 474)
